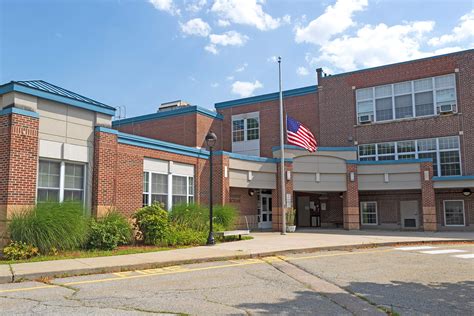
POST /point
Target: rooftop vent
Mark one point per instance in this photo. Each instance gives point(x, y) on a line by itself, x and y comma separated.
point(172, 105)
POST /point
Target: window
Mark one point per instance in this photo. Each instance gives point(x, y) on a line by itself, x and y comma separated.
point(238, 130)
point(246, 134)
point(60, 181)
point(157, 190)
point(368, 213)
point(454, 213)
point(408, 99)
point(444, 152)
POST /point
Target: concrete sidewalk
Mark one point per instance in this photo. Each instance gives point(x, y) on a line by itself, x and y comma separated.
point(263, 244)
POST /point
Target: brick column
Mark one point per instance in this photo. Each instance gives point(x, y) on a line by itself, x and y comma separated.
point(221, 188)
point(105, 171)
point(277, 211)
point(18, 162)
point(351, 211)
point(428, 203)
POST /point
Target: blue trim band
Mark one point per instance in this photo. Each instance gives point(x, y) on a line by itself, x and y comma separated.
point(293, 147)
point(106, 130)
point(266, 97)
point(396, 64)
point(14, 110)
point(169, 113)
point(14, 87)
point(453, 178)
point(250, 158)
point(145, 142)
point(389, 162)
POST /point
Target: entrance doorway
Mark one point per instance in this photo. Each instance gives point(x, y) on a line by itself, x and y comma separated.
point(409, 214)
point(319, 209)
point(265, 210)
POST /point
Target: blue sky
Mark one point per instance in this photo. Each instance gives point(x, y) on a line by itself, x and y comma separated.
point(141, 53)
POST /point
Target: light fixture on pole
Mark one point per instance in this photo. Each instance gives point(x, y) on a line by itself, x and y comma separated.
point(211, 140)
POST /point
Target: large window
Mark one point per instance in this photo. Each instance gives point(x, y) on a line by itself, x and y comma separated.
point(156, 188)
point(60, 181)
point(444, 152)
point(245, 129)
point(454, 213)
point(368, 213)
point(408, 99)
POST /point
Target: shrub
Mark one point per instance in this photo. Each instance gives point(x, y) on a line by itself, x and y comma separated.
point(225, 215)
point(183, 236)
point(17, 250)
point(152, 222)
point(50, 226)
point(192, 216)
point(197, 217)
point(108, 232)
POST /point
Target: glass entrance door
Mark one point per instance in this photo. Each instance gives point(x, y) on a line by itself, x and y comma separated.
point(265, 214)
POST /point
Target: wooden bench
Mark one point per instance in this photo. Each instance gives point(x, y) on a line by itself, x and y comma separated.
point(234, 233)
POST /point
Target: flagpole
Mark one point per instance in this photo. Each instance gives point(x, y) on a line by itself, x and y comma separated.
point(282, 152)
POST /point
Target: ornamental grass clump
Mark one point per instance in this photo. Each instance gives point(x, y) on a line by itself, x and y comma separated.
point(50, 227)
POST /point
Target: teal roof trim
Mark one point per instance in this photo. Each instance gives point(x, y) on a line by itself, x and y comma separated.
point(51, 92)
point(389, 162)
point(293, 147)
point(453, 178)
point(13, 110)
point(169, 113)
point(150, 143)
point(266, 97)
point(106, 130)
point(250, 158)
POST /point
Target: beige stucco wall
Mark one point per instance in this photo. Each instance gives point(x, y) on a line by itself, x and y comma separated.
point(389, 177)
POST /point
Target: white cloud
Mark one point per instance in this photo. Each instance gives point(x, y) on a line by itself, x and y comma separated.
point(245, 88)
point(230, 78)
point(272, 59)
point(375, 45)
point(249, 12)
point(196, 5)
point(211, 48)
point(165, 5)
point(335, 19)
point(214, 85)
point(231, 38)
point(302, 71)
point(241, 68)
point(223, 23)
point(196, 27)
point(463, 31)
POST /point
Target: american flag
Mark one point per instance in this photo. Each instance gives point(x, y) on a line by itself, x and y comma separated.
point(299, 135)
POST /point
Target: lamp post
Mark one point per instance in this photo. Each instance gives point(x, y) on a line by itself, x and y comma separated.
point(211, 139)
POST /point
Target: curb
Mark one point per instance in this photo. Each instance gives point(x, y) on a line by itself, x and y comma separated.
point(150, 265)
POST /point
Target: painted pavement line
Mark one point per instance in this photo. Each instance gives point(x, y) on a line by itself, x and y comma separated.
point(415, 248)
point(177, 269)
point(466, 256)
point(442, 251)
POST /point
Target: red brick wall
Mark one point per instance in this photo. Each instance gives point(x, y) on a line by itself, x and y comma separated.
point(277, 211)
point(302, 108)
point(337, 105)
point(189, 129)
point(23, 159)
point(4, 156)
point(351, 210)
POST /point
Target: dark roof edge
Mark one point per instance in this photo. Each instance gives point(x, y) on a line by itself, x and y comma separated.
point(399, 63)
point(266, 97)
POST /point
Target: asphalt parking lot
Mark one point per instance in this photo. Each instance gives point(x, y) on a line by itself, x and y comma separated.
point(412, 281)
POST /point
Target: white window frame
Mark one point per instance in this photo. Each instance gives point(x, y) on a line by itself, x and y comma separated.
point(245, 117)
point(62, 175)
point(169, 196)
point(417, 152)
point(434, 90)
point(362, 213)
point(463, 213)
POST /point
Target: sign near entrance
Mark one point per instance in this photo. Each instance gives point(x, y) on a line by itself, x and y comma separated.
point(289, 202)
